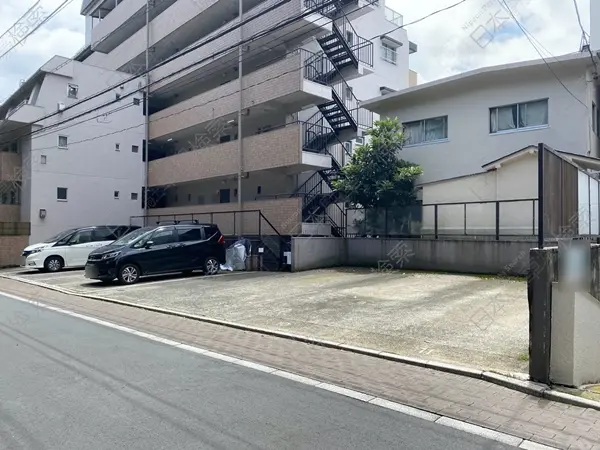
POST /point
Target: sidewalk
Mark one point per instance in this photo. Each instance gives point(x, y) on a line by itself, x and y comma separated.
point(468, 399)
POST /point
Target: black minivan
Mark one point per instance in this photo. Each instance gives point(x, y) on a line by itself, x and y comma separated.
point(158, 250)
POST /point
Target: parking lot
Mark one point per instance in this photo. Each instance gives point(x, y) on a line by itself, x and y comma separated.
point(475, 321)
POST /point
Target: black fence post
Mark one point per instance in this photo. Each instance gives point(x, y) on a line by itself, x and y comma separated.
point(435, 220)
point(234, 223)
point(385, 226)
point(497, 221)
point(541, 149)
point(465, 219)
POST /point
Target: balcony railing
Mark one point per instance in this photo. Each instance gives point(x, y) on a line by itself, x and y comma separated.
point(394, 17)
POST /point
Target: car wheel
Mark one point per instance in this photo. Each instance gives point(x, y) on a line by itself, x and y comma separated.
point(54, 264)
point(129, 274)
point(211, 266)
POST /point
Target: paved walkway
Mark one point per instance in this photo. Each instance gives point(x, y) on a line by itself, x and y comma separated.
point(471, 400)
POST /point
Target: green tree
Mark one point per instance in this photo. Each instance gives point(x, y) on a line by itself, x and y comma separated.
point(376, 177)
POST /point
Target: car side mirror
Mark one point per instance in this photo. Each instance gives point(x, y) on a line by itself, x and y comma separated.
point(149, 244)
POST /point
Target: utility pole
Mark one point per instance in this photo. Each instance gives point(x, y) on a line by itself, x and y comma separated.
point(239, 124)
point(147, 113)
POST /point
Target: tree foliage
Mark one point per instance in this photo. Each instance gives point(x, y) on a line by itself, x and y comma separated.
point(376, 176)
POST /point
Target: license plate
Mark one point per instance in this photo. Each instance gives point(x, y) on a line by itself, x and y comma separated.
point(90, 272)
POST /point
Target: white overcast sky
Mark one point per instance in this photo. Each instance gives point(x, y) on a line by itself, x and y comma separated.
point(445, 44)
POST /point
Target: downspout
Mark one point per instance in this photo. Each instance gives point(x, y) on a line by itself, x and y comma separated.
point(147, 115)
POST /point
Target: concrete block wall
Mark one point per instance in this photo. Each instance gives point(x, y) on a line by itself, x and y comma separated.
point(509, 258)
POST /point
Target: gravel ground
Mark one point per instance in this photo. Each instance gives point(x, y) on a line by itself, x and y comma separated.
point(475, 321)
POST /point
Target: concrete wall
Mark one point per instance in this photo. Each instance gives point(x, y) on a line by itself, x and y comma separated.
point(508, 258)
point(317, 252)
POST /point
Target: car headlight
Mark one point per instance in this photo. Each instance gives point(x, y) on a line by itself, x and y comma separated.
point(111, 255)
point(36, 250)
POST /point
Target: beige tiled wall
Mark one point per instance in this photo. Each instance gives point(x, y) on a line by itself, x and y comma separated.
point(10, 213)
point(10, 166)
point(284, 214)
point(269, 83)
point(11, 248)
point(278, 148)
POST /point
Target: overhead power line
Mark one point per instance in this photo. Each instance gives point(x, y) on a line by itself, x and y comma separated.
point(172, 74)
point(185, 68)
point(505, 5)
point(63, 5)
point(185, 52)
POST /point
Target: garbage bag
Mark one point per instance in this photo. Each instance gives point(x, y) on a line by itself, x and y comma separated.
point(236, 255)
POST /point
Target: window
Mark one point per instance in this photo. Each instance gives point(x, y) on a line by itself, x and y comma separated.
point(134, 196)
point(135, 149)
point(117, 147)
point(388, 53)
point(519, 116)
point(166, 236)
point(73, 90)
point(63, 141)
point(43, 159)
point(191, 234)
point(14, 147)
point(428, 130)
point(595, 119)
point(82, 237)
point(189, 197)
point(360, 140)
point(61, 194)
point(105, 234)
point(116, 194)
point(259, 190)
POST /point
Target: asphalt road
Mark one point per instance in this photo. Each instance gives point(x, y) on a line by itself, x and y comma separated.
point(66, 383)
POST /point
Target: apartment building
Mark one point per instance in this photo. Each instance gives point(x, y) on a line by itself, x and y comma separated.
point(54, 175)
point(457, 125)
point(276, 144)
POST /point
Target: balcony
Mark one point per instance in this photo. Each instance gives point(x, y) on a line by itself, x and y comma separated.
point(283, 148)
point(394, 17)
point(123, 21)
point(22, 114)
point(284, 216)
point(213, 57)
point(282, 87)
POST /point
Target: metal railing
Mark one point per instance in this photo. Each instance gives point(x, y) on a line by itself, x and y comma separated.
point(394, 17)
point(481, 219)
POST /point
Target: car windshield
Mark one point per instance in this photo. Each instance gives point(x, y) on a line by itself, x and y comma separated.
point(134, 235)
point(59, 236)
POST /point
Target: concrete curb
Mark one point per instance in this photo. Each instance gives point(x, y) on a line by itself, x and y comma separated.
point(524, 386)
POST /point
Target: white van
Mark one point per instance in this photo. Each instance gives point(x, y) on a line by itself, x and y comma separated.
point(70, 249)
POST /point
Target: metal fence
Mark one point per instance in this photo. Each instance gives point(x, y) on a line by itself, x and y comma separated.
point(493, 219)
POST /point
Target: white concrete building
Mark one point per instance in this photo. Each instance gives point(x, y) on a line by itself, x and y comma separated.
point(458, 124)
point(305, 65)
point(86, 172)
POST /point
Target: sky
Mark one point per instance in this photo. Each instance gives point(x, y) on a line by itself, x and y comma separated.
point(450, 42)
